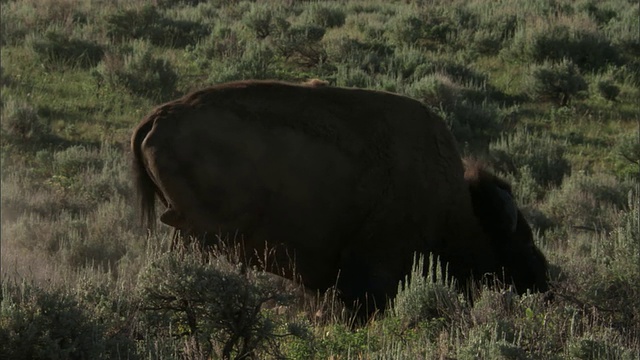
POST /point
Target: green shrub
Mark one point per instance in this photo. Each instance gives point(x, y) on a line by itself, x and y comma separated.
point(149, 24)
point(608, 90)
point(20, 121)
point(212, 304)
point(257, 62)
point(590, 348)
point(623, 32)
point(366, 56)
point(405, 61)
point(486, 41)
point(340, 340)
point(75, 160)
point(57, 49)
point(258, 20)
point(224, 44)
point(21, 18)
point(558, 82)
point(458, 72)
point(326, 16)
point(302, 45)
point(589, 51)
point(12, 30)
point(426, 298)
point(472, 119)
point(526, 154)
point(626, 156)
point(426, 30)
point(141, 72)
point(591, 202)
point(600, 14)
point(173, 3)
point(38, 324)
point(599, 273)
point(349, 77)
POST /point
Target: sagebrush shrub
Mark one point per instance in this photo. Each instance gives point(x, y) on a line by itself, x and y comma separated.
point(257, 62)
point(626, 156)
point(326, 16)
point(622, 29)
point(588, 201)
point(260, 20)
point(302, 45)
point(426, 30)
point(224, 44)
point(366, 56)
point(559, 82)
point(423, 298)
point(596, 347)
point(472, 119)
point(588, 50)
point(149, 24)
point(173, 3)
point(72, 161)
point(57, 49)
point(211, 302)
point(20, 121)
point(39, 324)
point(141, 72)
point(527, 154)
point(608, 90)
point(486, 41)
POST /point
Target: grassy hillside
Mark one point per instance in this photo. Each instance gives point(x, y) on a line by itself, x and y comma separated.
point(546, 90)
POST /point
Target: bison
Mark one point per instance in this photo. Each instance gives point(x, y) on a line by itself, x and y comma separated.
point(342, 185)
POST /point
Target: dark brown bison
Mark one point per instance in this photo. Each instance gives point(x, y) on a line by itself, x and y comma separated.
point(343, 185)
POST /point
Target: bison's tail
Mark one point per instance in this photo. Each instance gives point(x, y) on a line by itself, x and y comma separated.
point(145, 187)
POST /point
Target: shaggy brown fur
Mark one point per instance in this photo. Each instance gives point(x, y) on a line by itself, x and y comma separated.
point(332, 180)
point(523, 264)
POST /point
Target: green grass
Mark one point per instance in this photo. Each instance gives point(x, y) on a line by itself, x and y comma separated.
point(78, 269)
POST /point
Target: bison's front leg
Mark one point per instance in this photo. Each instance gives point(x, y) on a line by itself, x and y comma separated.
point(364, 284)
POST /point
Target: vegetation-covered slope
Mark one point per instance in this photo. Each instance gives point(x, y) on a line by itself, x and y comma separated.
point(545, 90)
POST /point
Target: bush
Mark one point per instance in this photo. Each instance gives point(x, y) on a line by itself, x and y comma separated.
point(472, 119)
point(588, 50)
point(301, 45)
point(425, 30)
point(591, 202)
point(20, 121)
point(257, 62)
point(148, 24)
point(601, 15)
point(140, 72)
point(173, 3)
point(57, 49)
point(327, 17)
point(608, 90)
point(223, 44)
point(421, 298)
point(366, 56)
point(37, 324)
point(592, 347)
point(211, 304)
point(626, 155)
point(559, 82)
point(600, 267)
point(523, 153)
point(260, 21)
point(75, 160)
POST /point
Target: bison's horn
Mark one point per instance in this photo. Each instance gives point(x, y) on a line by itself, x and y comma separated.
point(510, 208)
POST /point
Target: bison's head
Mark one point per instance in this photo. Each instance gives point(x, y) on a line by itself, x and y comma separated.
point(519, 260)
